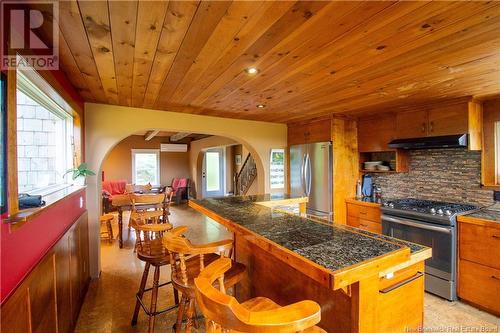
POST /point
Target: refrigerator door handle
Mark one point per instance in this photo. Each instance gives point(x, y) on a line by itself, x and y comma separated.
point(302, 174)
point(309, 175)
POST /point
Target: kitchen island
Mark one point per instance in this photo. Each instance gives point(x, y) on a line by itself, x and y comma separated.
point(364, 282)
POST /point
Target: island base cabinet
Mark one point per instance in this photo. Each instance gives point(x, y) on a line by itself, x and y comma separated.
point(397, 310)
point(50, 297)
point(401, 301)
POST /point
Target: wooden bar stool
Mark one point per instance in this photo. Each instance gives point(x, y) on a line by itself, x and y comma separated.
point(187, 261)
point(223, 313)
point(147, 207)
point(149, 228)
point(107, 219)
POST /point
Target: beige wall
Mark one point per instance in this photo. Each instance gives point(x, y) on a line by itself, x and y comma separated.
point(118, 164)
point(106, 125)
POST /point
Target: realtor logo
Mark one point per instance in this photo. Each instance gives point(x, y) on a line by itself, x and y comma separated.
point(30, 35)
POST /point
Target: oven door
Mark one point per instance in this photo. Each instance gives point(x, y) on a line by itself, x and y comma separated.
point(438, 237)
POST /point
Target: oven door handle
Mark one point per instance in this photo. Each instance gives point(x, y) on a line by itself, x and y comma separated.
point(409, 223)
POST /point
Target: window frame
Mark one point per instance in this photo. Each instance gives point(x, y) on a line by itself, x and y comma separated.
point(283, 150)
point(27, 81)
point(148, 151)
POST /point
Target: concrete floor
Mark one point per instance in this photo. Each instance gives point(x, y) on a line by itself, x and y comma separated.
point(110, 300)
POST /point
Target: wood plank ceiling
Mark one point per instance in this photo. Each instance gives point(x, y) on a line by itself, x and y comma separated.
point(314, 58)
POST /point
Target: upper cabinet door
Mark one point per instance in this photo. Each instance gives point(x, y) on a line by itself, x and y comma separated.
point(411, 124)
point(448, 120)
point(296, 134)
point(319, 131)
point(375, 133)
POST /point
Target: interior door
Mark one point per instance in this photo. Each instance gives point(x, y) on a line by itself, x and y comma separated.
point(213, 173)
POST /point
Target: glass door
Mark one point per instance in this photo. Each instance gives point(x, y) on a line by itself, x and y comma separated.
point(213, 173)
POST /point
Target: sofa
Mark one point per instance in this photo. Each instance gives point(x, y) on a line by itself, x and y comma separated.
point(180, 189)
point(111, 188)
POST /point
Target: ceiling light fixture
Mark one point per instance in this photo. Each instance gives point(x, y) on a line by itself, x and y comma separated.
point(251, 71)
point(261, 106)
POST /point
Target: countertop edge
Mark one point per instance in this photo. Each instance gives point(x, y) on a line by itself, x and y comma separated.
point(478, 221)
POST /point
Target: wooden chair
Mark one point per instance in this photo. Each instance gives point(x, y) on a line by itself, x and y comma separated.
point(106, 219)
point(187, 261)
point(223, 313)
point(150, 228)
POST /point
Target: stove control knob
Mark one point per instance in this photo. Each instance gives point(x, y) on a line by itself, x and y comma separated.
point(386, 204)
point(433, 210)
point(391, 205)
point(447, 212)
point(440, 211)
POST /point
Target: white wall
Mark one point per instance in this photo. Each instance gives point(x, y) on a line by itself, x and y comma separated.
point(106, 125)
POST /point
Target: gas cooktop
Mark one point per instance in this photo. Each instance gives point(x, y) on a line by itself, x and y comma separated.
point(426, 209)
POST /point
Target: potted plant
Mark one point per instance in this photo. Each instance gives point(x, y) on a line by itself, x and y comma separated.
point(80, 173)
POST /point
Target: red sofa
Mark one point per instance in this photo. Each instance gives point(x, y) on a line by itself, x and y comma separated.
point(111, 188)
point(180, 188)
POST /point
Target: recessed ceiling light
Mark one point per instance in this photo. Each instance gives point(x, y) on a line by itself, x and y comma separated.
point(251, 70)
point(261, 106)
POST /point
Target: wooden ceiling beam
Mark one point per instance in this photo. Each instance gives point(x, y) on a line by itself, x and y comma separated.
point(179, 136)
point(150, 134)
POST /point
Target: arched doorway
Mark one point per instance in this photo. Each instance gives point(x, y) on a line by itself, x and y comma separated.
point(107, 125)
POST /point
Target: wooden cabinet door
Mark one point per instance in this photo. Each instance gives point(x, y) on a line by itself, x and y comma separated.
point(375, 133)
point(63, 287)
point(296, 134)
point(42, 300)
point(448, 120)
point(318, 131)
point(74, 269)
point(84, 253)
point(411, 124)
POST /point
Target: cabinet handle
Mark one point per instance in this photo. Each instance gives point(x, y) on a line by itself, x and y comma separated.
point(401, 283)
point(431, 128)
point(362, 213)
point(495, 236)
point(364, 225)
point(494, 277)
point(423, 127)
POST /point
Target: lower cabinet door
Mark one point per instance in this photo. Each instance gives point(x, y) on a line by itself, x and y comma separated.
point(479, 285)
point(401, 301)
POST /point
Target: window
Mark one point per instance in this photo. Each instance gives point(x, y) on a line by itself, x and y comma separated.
point(146, 166)
point(277, 169)
point(44, 140)
point(3, 143)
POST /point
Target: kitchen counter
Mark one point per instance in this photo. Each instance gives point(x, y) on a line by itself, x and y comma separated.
point(484, 216)
point(323, 256)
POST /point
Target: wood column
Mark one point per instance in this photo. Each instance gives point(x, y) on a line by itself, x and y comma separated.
point(12, 191)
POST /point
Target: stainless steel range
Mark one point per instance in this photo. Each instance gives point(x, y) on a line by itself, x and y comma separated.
point(433, 224)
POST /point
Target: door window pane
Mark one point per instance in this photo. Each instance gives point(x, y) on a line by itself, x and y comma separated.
point(277, 168)
point(146, 167)
point(213, 170)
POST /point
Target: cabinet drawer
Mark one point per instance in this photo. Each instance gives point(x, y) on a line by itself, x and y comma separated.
point(479, 244)
point(479, 284)
point(367, 213)
point(367, 225)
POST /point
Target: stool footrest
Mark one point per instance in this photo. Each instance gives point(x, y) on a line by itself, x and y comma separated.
point(146, 309)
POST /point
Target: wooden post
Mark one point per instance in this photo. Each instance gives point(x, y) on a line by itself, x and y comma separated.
point(364, 295)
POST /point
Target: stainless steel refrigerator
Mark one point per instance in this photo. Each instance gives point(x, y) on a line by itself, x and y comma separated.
point(311, 175)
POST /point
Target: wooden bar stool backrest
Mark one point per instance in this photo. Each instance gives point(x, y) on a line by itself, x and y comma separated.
point(181, 248)
point(224, 313)
point(147, 221)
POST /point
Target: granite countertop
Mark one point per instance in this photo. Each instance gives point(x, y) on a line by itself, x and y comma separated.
point(332, 246)
point(486, 214)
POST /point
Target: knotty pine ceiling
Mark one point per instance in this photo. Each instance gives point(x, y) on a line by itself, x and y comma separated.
point(315, 58)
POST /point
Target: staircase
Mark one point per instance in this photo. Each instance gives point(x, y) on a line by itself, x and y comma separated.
point(244, 179)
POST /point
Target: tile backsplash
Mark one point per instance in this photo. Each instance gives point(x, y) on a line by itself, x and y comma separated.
point(452, 175)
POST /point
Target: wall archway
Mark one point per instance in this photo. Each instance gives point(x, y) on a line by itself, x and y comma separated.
point(107, 125)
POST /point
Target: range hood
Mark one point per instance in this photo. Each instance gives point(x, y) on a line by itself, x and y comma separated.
point(446, 141)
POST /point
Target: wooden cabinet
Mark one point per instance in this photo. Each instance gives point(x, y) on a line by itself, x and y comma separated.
point(433, 121)
point(309, 132)
point(364, 215)
point(411, 124)
point(479, 265)
point(50, 297)
point(375, 133)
